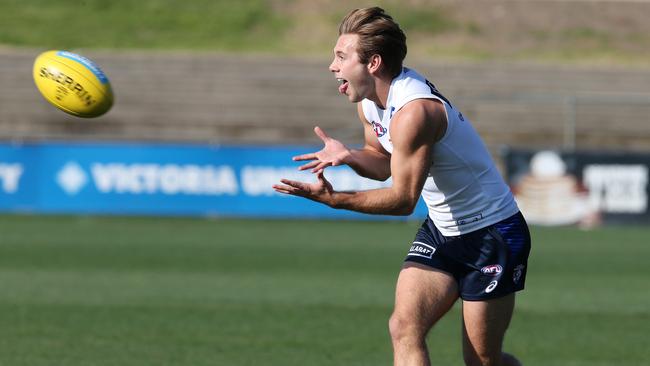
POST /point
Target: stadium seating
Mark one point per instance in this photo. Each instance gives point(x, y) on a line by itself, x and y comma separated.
point(220, 99)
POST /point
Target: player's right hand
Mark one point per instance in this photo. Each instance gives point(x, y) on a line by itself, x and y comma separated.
point(320, 191)
point(333, 153)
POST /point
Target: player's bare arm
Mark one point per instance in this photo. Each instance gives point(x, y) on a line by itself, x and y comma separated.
point(371, 161)
point(413, 129)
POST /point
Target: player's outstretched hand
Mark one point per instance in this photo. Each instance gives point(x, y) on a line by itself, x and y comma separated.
point(332, 154)
point(319, 191)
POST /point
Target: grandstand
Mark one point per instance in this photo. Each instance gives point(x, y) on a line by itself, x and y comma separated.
point(223, 99)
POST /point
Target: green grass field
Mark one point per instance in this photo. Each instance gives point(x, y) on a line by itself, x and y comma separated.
point(145, 24)
point(161, 291)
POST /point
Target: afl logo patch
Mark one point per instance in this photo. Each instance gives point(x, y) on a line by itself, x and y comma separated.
point(379, 129)
point(492, 269)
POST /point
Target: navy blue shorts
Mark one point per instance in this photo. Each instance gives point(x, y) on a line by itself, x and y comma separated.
point(487, 263)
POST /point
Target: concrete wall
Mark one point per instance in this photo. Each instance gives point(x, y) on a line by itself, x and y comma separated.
point(262, 99)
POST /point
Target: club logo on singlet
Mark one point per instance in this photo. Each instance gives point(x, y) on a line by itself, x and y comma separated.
point(379, 129)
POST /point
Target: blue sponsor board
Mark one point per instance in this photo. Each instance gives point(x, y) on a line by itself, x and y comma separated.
point(144, 179)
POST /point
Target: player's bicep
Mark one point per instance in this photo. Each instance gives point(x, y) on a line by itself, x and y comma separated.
point(413, 133)
point(409, 167)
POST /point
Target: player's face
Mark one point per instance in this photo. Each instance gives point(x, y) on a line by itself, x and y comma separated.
point(356, 81)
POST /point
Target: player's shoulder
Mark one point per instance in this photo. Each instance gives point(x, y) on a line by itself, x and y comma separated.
point(408, 86)
point(410, 81)
point(422, 109)
point(425, 115)
point(418, 122)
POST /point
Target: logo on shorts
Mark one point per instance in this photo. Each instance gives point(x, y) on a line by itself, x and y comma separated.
point(492, 269)
point(491, 286)
point(518, 271)
point(420, 249)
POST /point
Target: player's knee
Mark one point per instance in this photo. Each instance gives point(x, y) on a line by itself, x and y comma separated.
point(403, 327)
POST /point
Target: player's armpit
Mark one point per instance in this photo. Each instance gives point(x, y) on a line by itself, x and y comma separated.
point(372, 161)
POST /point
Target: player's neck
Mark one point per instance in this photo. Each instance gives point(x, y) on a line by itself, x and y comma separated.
point(382, 87)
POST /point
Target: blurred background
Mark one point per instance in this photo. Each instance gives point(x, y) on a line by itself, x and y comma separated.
point(567, 76)
point(154, 230)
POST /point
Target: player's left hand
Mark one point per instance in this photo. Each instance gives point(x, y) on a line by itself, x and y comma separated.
point(320, 191)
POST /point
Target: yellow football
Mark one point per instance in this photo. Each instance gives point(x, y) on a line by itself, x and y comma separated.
point(73, 83)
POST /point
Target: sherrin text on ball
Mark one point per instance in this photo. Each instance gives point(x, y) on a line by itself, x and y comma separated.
point(73, 83)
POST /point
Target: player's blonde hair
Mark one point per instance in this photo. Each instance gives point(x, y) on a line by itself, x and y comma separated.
point(379, 35)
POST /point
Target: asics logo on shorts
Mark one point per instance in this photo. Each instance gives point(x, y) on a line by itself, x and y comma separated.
point(491, 286)
point(420, 249)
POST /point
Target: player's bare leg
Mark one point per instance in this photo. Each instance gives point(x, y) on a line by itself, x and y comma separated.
point(484, 327)
point(422, 297)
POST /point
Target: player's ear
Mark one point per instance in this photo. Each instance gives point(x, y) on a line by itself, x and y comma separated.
point(374, 63)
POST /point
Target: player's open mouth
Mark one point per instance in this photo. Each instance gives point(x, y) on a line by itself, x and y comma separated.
point(344, 85)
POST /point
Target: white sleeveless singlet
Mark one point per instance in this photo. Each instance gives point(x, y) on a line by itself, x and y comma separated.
point(464, 191)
